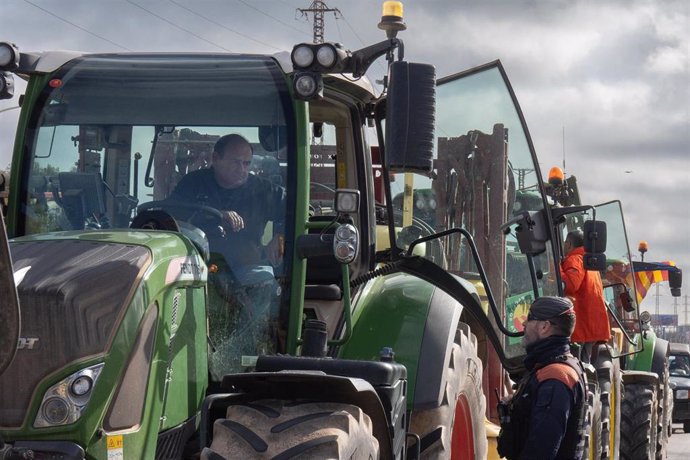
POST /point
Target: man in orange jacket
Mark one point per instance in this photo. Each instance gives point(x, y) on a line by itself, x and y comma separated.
point(587, 292)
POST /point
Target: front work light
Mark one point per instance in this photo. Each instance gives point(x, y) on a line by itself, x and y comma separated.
point(346, 201)
point(302, 56)
point(321, 57)
point(9, 56)
point(326, 56)
point(308, 85)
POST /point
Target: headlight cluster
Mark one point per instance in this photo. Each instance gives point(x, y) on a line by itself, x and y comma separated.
point(425, 203)
point(310, 60)
point(346, 243)
point(65, 401)
point(681, 394)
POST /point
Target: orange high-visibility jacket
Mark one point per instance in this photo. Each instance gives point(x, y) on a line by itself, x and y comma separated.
point(592, 319)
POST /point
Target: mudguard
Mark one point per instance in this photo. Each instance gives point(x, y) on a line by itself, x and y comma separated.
point(304, 384)
point(418, 321)
point(640, 377)
point(660, 356)
point(643, 360)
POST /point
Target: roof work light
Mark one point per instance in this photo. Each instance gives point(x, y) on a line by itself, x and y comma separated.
point(9, 56)
point(311, 60)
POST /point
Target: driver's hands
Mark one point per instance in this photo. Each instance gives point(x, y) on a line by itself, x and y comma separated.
point(233, 221)
point(275, 249)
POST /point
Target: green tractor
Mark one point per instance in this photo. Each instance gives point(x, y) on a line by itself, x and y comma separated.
point(376, 334)
point(655, 356)
point(637, 400)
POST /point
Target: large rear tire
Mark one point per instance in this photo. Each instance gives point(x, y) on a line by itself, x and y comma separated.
point(455, 429)
point(593, 438)
point(293, 429)
point(638, 422)
point(610, 382)
point(664, 410)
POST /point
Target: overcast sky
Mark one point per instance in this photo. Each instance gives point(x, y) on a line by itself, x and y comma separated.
point(613, 74)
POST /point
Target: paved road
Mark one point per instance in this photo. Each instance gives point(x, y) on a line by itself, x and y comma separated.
point(679, 444)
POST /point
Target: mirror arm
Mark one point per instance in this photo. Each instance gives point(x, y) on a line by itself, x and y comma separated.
point(379, 115)
point(533, 275)
point(480, 268)
point(363, 58)
point(620, 325)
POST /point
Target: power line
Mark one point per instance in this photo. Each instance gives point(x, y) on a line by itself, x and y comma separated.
point(353, 31)
point(272, 17)
point(78, 26)
point(177, 26)
point(224, 26)
point(381, 66)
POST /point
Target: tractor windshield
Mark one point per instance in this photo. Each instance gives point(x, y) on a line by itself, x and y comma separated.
point(115, 139)
point(618, 278)
point(485, 175)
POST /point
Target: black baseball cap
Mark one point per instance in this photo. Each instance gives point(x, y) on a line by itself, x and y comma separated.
point(548, 307)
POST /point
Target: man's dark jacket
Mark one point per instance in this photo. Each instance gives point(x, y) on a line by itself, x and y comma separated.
point(547, 411)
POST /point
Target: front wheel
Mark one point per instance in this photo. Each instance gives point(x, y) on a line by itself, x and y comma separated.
point(293, 429)
point(455, 429)
point(638, 422)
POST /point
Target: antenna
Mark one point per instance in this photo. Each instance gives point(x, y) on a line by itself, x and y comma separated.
point(564, 150)
point(318, 8)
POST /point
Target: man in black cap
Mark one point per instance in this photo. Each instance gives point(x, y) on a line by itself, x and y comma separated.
point(545, 418)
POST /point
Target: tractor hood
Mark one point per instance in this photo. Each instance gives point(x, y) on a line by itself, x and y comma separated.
point(73, 295)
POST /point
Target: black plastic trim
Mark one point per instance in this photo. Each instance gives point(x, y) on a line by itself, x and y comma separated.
point(439, 335)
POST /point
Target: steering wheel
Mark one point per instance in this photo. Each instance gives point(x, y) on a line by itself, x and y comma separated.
point(205, 217)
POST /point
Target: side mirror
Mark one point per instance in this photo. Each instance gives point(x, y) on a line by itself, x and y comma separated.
point(532, 233)
point(9, 312)
point(410, 118)
point(595, 245)
point(272, 138)
point(675, 282)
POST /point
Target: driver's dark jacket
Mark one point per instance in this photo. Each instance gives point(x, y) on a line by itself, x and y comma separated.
point(257, 201)
point(547, 412)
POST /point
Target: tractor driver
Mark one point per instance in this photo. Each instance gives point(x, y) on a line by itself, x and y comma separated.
point(586, 289)
point(545, 417)
point(247, 203)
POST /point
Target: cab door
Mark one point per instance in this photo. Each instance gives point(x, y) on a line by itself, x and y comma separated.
point(486, 176)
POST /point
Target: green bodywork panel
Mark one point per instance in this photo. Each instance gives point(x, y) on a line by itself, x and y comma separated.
point(178, 376)
point(642, 361)
point(391, 312)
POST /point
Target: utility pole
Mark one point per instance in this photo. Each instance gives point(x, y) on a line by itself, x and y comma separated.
point(656, 310)
point(318, 8)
